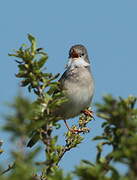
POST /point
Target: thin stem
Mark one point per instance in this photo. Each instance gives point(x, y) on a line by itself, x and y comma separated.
point(62, 154)
point(10, 166)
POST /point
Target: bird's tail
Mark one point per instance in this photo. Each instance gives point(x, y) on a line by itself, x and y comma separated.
point(33, 140)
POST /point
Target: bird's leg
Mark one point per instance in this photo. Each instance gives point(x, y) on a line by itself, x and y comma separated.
point(72, 130)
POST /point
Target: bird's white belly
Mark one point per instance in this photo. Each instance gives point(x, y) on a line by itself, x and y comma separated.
point(80, 98)
point(79, 87)
point(78, 101)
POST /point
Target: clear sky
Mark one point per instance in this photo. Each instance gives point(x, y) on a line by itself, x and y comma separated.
point(108, 28)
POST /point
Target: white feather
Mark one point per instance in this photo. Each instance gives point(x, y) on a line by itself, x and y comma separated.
point(77, 62)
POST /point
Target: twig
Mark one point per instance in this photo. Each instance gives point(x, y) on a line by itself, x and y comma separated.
point(10, 166)
point(62, 154)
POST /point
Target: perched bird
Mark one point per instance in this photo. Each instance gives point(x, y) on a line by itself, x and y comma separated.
point(77, 81)
point(78, 84)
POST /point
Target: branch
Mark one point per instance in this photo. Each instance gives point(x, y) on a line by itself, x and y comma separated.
point(10, 166)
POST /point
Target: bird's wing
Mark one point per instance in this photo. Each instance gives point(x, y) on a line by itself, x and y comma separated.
point(62, 79)
point(61, 82)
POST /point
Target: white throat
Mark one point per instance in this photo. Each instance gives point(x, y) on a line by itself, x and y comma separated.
point(77, 62)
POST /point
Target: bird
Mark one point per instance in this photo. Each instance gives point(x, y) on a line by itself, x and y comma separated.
point(78, 83)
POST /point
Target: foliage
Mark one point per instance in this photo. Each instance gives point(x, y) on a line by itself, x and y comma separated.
point(119, 132)
point(34, 120)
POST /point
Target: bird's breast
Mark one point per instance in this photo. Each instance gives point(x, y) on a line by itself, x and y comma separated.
point(79, 89)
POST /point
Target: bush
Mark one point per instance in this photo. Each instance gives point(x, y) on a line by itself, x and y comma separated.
point(34, 121)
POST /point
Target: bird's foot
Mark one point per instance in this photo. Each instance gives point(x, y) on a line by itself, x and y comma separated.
point(87, 112)
point(76, 131)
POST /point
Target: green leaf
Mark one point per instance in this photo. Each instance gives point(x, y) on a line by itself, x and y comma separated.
point(98, 138)
point(25, 82)
point(88, 162)
point(33, 43)
point(42, 61)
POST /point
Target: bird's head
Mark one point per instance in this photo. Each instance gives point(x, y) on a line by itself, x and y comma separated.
point(78, 56)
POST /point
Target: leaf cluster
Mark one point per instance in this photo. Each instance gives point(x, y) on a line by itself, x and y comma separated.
point(34, 119)
point(119, 132)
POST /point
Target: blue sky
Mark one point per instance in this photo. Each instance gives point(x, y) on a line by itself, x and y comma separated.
point(107, 28)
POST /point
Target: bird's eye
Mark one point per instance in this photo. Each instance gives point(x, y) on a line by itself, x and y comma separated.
point(82, 54)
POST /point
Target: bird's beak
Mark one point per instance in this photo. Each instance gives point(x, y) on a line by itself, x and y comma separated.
point(74, 54)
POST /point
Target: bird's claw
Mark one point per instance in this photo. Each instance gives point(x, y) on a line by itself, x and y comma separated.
point(87, 112)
